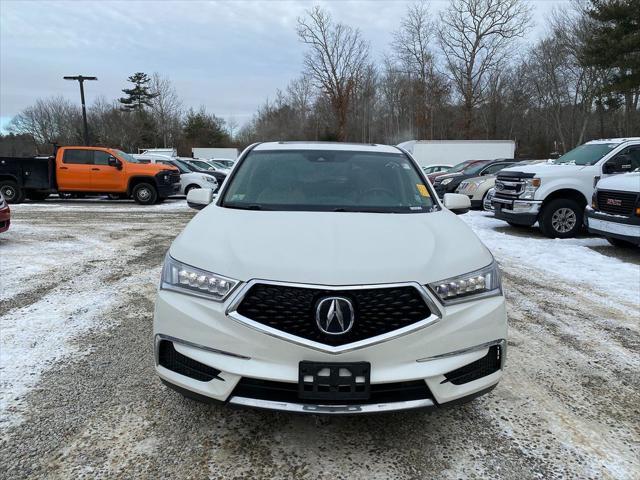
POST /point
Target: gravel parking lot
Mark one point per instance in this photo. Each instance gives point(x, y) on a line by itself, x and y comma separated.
point(80, 398)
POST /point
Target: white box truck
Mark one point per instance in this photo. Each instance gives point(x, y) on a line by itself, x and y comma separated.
point(209, 153)
point(451, 152)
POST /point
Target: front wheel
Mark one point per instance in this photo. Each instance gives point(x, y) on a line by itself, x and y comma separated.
point(145, 194)
point(11, 192)
point(561, 218)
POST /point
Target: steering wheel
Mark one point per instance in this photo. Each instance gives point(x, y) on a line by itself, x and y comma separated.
point(382, 190)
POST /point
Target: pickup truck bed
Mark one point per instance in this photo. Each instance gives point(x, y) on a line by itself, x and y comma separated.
point(31, 177)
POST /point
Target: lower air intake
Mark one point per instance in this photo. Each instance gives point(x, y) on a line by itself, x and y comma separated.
point(487, 365)
point(173, 360)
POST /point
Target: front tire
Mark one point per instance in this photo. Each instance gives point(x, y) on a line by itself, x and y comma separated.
point(145, 194)
point(561, 218)
point(11, 192)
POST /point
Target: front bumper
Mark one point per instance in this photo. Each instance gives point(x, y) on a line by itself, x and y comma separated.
point(202, 331)
point(520, 212)
point(168, 190)
point(613, 226)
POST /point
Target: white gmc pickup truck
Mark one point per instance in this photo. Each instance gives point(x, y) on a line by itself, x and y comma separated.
point(556, 194)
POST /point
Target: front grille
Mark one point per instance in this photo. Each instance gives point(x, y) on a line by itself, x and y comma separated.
point(509, 186)
point(288, 392)
point(173, 360)
point(174, 178)
point(293, 310)
point(617, 203)
point(487, 365)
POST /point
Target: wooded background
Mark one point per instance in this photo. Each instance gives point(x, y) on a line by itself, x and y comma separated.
point(466, 73)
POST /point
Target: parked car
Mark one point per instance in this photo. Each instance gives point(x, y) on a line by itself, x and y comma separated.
point(436, 169)
point(477, 188)
point(449, 182)
point(199, 164)
point(208, 170)
point(555, 194)
point(225, 162)
point(360, 292)
point(5, 215)
point(456, 168)
point(615, 210)
point(189, 178)
point(219, 166)
point(85, 171)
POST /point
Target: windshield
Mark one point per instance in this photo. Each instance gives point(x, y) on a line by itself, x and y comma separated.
point(127, 157)
point(474, 167)
point(319, 180)
point(200, 164)
point(586, 154)
point(459, 167)
point(183, 166)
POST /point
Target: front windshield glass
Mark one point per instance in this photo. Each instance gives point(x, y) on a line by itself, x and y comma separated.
point(586, 154)
point(459, 167)
point(127, 157)
point(473, 168)
point(200, 164)
point(184, 166)
point(328, 180)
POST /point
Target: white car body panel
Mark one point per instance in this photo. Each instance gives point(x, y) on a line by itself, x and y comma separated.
point(329, 251)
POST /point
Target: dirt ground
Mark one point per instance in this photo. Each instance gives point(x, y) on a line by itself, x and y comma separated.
point(567, 407)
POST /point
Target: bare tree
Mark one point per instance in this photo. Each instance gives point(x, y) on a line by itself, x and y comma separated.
point(412, 46)
point(166, 108)
point(49, 120)
point(335, 61)
point(475, 36)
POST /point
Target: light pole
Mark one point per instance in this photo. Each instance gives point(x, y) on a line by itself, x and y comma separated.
point(81, 79)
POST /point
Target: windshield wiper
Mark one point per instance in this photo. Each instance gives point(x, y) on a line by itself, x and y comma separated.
point(250, 206)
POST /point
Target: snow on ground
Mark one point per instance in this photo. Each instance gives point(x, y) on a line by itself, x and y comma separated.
point(576, 260)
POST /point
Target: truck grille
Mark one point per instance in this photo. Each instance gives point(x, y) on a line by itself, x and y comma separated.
point(509, 186)
point(293, 310)
point(617, 203)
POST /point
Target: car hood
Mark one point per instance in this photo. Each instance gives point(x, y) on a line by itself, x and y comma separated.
point(547, 169)
point(330, 248)
point(439, 178)
point(626, 182)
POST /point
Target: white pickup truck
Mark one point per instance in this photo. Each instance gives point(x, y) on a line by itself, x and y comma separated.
point(555, 194)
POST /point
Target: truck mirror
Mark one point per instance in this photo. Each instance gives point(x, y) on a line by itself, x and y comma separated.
point(114, 162)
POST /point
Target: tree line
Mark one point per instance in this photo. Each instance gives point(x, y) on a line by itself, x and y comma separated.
point(463, 74)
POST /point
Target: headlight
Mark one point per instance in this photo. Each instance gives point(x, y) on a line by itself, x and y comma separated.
point(183, 278)
point(485, 282)
point(211, 179)
point(446, 181)
point(530, 187)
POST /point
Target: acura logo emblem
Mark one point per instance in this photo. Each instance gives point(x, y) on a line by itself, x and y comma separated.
point(335, 315)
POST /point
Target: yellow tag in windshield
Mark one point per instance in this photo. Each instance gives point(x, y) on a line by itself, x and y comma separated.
point(423, 190)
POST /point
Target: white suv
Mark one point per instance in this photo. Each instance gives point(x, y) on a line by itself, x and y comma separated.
point(329, 278)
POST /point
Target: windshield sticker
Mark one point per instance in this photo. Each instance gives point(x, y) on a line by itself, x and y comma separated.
point(422, 190)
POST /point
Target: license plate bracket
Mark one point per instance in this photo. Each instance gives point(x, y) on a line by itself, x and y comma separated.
point(334, 381)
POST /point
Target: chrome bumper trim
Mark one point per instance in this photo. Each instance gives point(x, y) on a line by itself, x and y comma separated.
point(331, 409)
point(482, 346)
point(179, 341)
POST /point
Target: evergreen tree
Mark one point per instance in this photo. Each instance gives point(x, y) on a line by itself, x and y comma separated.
point(204, 130)
point(615, 43)
point(140, 95)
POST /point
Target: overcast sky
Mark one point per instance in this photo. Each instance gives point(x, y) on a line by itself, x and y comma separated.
point(229, 56)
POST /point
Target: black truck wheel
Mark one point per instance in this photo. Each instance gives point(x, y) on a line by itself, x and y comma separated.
point(561, 218)
point(145, 194)
point(11, 192)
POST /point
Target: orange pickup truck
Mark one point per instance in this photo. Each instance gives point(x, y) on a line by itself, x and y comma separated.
point(86, 170)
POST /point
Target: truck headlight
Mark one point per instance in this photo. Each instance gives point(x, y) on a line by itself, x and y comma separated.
point(183, 278)
point(485, 282)
point(530, 187)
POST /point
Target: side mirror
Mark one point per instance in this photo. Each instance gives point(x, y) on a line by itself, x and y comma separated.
point(457, 203)
point(199, 198)
point(114, 162)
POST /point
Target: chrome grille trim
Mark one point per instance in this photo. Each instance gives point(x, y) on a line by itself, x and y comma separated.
point(232, 313)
